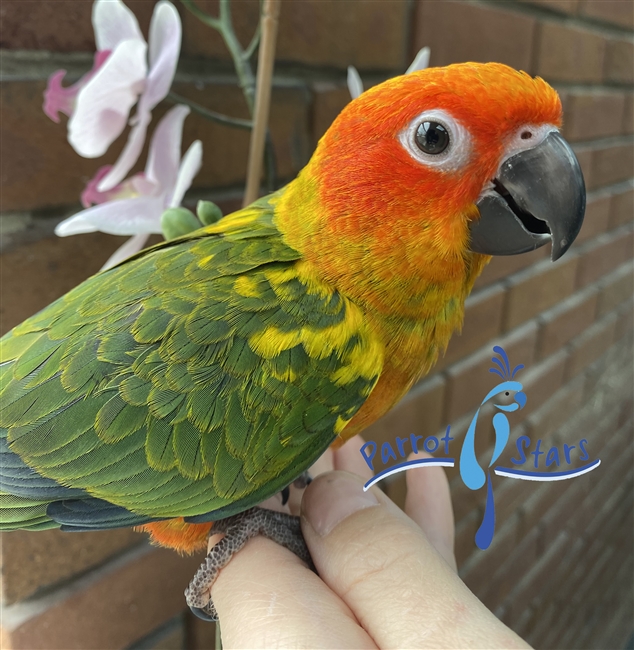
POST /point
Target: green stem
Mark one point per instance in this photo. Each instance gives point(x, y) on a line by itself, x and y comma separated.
point(209, 114)
point(201, 15)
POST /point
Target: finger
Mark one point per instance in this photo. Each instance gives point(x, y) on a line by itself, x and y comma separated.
point(381, 564)
point(428, 503)
point(348, 458)
point(267, 598)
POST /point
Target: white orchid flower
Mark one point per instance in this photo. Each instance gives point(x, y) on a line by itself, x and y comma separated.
point(134, 207)
point(355, 85)
point(99, 103)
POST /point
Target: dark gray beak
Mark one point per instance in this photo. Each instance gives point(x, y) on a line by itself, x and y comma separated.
point(539, 196)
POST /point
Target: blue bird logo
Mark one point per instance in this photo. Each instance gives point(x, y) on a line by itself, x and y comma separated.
point(472, 474)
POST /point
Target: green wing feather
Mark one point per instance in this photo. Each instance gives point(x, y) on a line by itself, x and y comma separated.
point(205, 373)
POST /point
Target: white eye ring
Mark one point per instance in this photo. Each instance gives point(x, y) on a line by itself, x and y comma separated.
point(453, 157)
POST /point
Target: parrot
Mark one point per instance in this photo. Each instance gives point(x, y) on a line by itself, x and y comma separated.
point(181, 388)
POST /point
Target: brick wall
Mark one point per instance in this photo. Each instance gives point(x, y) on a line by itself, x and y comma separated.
point(559, 571)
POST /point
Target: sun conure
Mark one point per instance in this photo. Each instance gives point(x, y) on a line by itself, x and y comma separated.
point(203, 375)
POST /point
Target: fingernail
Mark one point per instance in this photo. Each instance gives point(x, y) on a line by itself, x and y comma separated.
point(331, 498)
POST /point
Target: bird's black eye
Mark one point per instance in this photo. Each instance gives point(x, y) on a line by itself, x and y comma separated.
point(432, 137)
point(507, 393)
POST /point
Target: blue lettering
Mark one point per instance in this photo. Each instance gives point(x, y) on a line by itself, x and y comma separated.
point(387, 452)
point(432, 439)
point(370, 455)
point(446, 439)
point(584, 455)
point(567, 450)
point(537, 453)
point(399, 444)
point(414, 440)
point(552, 457)
point(522, 441)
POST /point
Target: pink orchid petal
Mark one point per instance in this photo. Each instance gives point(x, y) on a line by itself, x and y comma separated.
point(113, 23)
point(165, 45)
point(130, 153)
point(165, 149)
point(132, 246)
point(124, 217)
point(60, 99)
point(104, 103)
point(190, 166)
point(91, 195)
point(57, 98)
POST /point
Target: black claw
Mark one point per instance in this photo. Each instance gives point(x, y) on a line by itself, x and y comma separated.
point(286, 493)
point(202, 614)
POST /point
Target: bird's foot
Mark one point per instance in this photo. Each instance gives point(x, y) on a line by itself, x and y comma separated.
point(238, 529)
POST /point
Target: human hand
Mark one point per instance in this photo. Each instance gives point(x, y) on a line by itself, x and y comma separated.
point(387, 579)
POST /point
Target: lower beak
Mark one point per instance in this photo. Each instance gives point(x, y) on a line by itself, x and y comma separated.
point(538, 196)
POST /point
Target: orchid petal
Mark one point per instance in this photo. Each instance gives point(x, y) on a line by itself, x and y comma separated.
point(355, 85)
point(130, 153)
point(190, 166)
point(132, 246)
point(91, 195)
point(420, 62)
point(165, 149)
point(113, 23)
point(165, 45)
point(124, 217)
point(104, 102)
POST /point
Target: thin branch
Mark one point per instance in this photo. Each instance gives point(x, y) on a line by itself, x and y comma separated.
point(248, 53)
point(209, 114)
point(201, 15)
point(266, 60)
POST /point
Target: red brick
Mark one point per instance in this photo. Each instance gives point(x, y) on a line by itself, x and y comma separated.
point(478, 33)
point(619, 62)
point(625, 322)
point(39, 168)
point(569, 54)
point(596, 218)
point(606, 252)
point(542, 381)
point(618, 12)
point(591, 345)
point(538, 576)
point(612, 165)
point(510, 571)
point(61, 26)
point(328, 101)
point(590, 115)
point(469, 380)
point(538, 288)
point(565, 321)
point(420, 412)
point(482, 322)
point(63, 261)
point(556, 411)
point(584, 156)
point(622, 208)
point(53, 557)
point(466, 529)
point(325, 33)
point(628, 115)
point(616, 289)
point(139, 592)
point(505, 265)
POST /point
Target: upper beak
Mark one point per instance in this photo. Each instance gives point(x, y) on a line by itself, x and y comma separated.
point(539, 196)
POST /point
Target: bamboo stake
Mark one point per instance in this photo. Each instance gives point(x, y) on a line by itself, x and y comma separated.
point(266, 60)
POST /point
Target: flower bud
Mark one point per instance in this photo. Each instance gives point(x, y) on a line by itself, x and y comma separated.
point(208, 212)
point(176, 222)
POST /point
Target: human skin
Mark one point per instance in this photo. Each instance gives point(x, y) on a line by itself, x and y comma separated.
point(386, 578)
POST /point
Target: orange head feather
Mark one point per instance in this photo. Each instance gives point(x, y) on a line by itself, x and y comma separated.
point(374, 220)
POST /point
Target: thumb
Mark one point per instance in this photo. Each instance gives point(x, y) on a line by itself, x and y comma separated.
point(381, 564)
